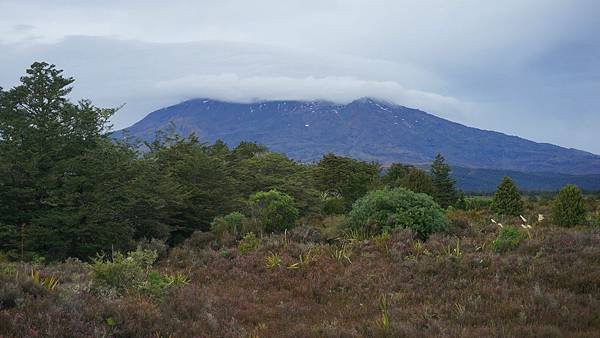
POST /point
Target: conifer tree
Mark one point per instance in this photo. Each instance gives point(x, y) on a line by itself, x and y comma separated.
point(507, 199)
point(568, 208)
point(444, 191)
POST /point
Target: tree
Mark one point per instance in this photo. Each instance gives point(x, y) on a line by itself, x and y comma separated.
point(348, 177)
point(418, 180)
point(395, 173)
point(205, 186)
point(55, 159)
point(276, 211)
point(444, 191)
point(387, 209)
point(507, 199)
point(568, 208)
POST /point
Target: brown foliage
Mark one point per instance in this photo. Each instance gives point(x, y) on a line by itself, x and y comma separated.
point(450, 285)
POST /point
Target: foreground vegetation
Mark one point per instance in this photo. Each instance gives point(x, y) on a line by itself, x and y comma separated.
point(468, 281)
point(177, 238)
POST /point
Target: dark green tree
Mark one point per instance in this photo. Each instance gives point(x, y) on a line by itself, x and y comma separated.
point(204, 185)
point(55, 157)
point(568, 208)
point(444, 190)
point(348, 177)
point(395, 174)
point(507, 199)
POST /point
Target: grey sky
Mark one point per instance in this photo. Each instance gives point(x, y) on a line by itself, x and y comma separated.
point(525, 67)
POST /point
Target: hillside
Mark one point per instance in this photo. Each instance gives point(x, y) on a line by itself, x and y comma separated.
point(365, 129)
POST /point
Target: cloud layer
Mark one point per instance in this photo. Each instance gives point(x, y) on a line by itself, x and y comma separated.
point(530, 68)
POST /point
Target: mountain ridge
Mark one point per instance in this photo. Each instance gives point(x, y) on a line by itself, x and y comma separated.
point(367, 129)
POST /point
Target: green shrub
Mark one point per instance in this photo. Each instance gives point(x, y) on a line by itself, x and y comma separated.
point(157, 285)
point(568, 208)
point(507, 199)
point(508, 239)
point(386, 209)
point(334, 206)
point(275, 210)
point(122, 272)
point(228, 225)
point(477, 203)
point(248, 243)
point(594, 220)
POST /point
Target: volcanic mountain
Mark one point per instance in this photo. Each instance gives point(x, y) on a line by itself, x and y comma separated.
point(368, 129)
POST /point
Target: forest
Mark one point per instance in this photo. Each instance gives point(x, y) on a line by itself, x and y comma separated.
point(178, 237)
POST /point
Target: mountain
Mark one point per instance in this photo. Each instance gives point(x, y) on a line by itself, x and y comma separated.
point(367, 129)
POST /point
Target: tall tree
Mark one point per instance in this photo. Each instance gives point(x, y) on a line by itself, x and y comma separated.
point(55, 156)
point(205, 186)
point(507, 199)
point(444, 191)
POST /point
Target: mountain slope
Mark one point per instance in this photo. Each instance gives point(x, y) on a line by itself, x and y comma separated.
point(366, 129)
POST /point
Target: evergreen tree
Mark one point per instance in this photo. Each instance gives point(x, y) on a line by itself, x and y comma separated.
point(417, 180)
point(55, 156)
point(444, 191)
point(568, 208)
point(348, 177)
point(394, 175)
point(203, 182)
point(507, 200)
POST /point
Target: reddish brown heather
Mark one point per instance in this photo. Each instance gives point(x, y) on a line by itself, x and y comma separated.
point(451, 285)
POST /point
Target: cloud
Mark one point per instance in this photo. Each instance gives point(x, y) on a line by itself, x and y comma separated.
point(529, 68)
point(232, 87)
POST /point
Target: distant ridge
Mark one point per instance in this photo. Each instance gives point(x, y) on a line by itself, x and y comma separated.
point(367, 129)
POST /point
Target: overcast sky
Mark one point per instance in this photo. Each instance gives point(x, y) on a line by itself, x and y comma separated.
point(524, 67)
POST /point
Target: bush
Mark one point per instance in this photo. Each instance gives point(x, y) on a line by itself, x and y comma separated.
point(154, 244)
point(248, 243)
point(386, 209)
point(568, 208)
point(477, 203)
point(200, 239)
point(275, 210)
point(11, 293)
point(122, 272)
point(230, 225)
point(507, 200)
point(508, 239)
point(334, 206)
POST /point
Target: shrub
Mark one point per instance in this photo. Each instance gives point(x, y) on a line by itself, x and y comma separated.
point(122, 272)
point(228, 226)
point(11, 293)
point(507, 200)
point(594, 220)
point(386, 209)
point(508, 239)
point(275, 210)
point(157, 285)
point(474, 203)
point(154, 244)
point(334, 206)
point(199, 239)
point(333, 226)
point(568, 208)
point(248, 243)
point(458, 221)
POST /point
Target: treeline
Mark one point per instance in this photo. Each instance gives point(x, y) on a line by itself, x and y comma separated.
point(68, 190)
